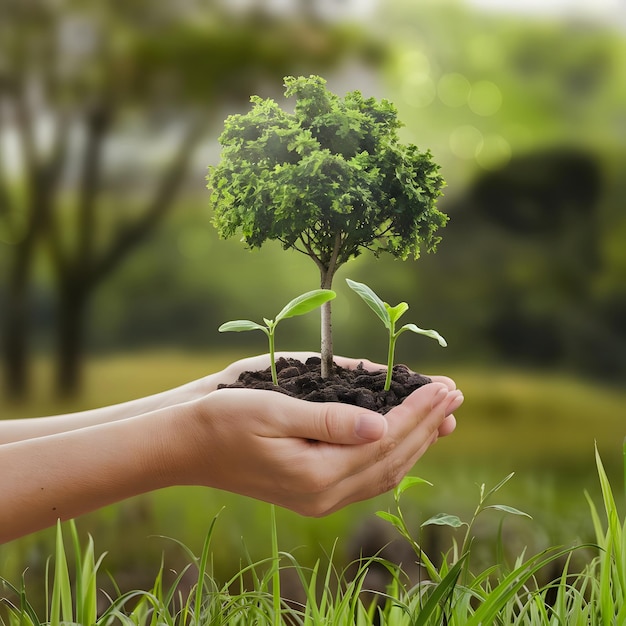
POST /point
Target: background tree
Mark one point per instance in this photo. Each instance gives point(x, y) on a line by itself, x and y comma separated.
point(80, 83)
point(328, 180)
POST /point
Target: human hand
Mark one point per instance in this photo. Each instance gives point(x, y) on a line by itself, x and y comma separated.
point(313, 458)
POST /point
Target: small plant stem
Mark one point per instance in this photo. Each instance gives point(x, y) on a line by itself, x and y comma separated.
point(270, 336)
point(417, 548)
point(276, 597)
point(390, 355)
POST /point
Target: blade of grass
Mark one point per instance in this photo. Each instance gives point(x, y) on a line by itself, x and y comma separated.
point(512, 583)
point(202, 568)
point(86, 600)
point(442, 590)
point(614, 528)
point(26, 614)
point(276, 599)
point(61, 605)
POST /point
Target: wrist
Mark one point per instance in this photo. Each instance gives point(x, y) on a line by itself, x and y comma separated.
point(179, 446)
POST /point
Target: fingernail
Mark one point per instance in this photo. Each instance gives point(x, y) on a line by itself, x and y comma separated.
point(456, 400)
point(370, 426)
point(439, 397)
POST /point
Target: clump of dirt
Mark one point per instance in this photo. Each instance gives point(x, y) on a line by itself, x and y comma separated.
point(352, 386)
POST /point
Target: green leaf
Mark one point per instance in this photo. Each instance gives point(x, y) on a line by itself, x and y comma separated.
point(396, 312)
point(497, 487)
point(305, 303)
point(508, 509)
point(409, 481)
point(433, 334)
point(372, 300)
point(444, 519)
point(393, 519)
point(240, 325)
point(61, 603)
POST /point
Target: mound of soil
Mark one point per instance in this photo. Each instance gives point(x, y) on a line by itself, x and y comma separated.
point(358, 386)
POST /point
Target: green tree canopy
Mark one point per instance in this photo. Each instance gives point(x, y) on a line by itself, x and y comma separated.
point(328, 180)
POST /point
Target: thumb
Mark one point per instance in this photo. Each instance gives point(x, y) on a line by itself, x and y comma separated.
point(337, 423)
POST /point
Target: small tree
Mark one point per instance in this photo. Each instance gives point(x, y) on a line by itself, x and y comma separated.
point(328, 180)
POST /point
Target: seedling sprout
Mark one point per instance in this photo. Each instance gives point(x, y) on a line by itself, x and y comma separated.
point(298, 306)
point(389, 316)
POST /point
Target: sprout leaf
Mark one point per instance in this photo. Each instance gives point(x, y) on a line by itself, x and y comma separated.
point(433, 334)
point(372, 300)
point(240, 325)
point(305, 303)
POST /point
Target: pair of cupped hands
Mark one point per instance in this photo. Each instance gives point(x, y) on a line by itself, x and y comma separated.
point(315, 458)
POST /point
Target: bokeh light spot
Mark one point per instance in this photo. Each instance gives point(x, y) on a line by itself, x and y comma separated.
point(466, 141)
point(418, 90)
point(413, 62)
point(453, 89)
point(485, 98)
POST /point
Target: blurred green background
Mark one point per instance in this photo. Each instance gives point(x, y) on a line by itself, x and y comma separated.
point(113, 281)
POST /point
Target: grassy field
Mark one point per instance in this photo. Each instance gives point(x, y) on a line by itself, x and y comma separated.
point(542, 427)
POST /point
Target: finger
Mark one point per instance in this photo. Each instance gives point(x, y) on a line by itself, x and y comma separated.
point(367, 471)
point(300, 356)
point(414, 426)
point(456, 399)
point(351, 364)
point(445, 380)
point(448, 426)
point(442, 403)
point(370, 481)
point(336, 423)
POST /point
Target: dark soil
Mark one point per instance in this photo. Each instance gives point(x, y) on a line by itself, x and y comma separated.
point(358, 386)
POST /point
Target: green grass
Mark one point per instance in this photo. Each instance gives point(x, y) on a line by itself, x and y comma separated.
point(453, 592)
point(542, 427)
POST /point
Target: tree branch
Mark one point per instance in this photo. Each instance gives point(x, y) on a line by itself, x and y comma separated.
point(53, 172)
point(309, 250)
point(332, 264)
point(160, 203)
point(25, 129)
point(98, 122)
point(6, 202)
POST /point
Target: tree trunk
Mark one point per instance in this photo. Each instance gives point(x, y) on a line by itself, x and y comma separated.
point(327, 273)
point(69, 355)
point(16, 326)
point(327, 342)
point(14, 342)
point(326, 350)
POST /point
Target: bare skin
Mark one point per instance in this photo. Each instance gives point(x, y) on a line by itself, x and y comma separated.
point(313, 458)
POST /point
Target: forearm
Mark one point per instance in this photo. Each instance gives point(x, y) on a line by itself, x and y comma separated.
point(13, 430)
point(65, 475)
